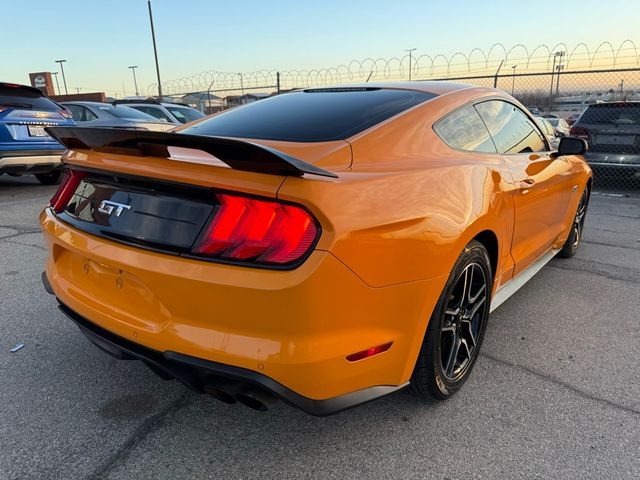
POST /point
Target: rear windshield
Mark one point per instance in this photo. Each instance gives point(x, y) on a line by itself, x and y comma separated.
point(127, 113)
point(185, 115)
point(26, 99)
point(318, 115)
point(622, 114)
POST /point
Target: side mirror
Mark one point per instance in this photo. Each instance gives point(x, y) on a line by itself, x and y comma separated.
point(572, 146)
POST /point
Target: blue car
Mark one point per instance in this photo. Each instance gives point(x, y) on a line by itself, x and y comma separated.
point(25, 147)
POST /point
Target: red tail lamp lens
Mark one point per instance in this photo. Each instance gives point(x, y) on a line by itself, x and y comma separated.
point(66, 190)
point(370, 352)
point(259, 231)
point(579, 132)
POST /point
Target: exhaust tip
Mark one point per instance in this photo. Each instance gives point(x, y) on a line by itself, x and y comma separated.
point(222, 389)
point(256, 398)
point(251, 402)
point(220, 395)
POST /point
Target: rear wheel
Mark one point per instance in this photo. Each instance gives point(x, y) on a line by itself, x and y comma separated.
point(570, 247)
point(456, 328)
point(48, 178)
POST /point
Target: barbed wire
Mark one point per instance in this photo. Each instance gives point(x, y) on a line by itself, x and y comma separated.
point(423, 67)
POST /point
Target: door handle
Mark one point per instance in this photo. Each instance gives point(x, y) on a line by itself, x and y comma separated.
point(527, 183)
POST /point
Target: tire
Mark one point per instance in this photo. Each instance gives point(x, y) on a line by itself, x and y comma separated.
point(48, 178)
point(572, 243)
point(435, 377)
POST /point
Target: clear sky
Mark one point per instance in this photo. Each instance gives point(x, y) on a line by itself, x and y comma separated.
point(99, 39)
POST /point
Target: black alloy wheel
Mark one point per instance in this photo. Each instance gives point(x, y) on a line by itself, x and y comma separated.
point(456, 328)
point(570, 247)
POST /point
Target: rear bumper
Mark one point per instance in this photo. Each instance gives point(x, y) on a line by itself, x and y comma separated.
point(193, 371)
point(30, 161)
point(289, 331)
point(614, 160)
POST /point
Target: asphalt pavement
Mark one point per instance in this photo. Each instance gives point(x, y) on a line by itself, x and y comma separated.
point(555, 393)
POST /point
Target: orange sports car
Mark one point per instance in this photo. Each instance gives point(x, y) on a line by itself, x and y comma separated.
point(326, 246)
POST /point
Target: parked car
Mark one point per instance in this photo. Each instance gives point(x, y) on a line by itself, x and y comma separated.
point(343, 244)
point(612, 130)
point(97, 114)
point(571, 119)
point(560, 126)
point(548, 130)
point(174, 113)
point(25, 146)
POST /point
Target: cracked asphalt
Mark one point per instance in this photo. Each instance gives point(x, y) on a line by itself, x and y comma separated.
point(555, 394)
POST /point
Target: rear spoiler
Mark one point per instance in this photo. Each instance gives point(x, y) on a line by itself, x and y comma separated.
point(238, 154)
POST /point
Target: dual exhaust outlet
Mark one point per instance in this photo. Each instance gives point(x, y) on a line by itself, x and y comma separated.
point(231, 391)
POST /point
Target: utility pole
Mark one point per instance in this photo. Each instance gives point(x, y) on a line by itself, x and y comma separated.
point(410, 50)
point(64, 80)
point(135, 82)
point(57, 84)
point(155, 51)
point(513, 79)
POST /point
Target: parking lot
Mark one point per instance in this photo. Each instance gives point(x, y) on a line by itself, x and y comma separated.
point(555, 393)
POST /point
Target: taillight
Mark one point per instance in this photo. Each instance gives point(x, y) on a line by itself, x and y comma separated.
point(258, 231)
point(66, 190)
point(579, 132)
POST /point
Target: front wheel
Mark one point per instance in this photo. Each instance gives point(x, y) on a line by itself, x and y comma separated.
point(570, 247)
point(48, 178)
point(456, 328)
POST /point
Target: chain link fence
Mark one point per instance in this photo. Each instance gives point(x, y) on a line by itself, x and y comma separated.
point(589, 93)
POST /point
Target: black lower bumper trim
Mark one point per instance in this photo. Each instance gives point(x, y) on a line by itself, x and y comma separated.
point(193, 371)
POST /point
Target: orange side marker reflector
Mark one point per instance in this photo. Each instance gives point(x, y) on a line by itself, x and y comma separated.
point(370, 352)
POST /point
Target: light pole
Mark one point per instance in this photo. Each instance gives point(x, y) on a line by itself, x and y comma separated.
point(155, 50)
point(410, 50)
point(135, 82)
point(241, 84)
point(64, 80)
point(513, 79)
point(57, 84)
point(553, 69)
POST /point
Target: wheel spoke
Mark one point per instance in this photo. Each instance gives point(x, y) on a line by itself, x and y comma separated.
point(466, 288)
point(464, 343)
point(471, 335)
point(453, 355)
point(479, 292)
point(452, 311)
point(476, 307)
point(449, 328)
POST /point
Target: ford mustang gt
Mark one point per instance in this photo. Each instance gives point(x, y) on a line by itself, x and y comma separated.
point(326, 246)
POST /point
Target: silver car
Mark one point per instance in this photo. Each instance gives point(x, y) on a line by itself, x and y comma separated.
point(175, 113)
point(96, 114)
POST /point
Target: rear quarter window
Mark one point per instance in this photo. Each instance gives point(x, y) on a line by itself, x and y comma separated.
point(317, 115)
point(464, 130)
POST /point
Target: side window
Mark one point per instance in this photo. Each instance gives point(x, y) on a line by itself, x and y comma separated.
point(80, 113)
point(89, 115)
point(464, 130)
point(510, 128)
point(154, 112)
